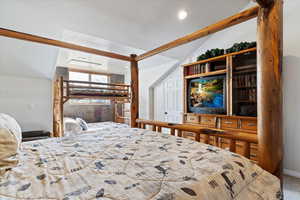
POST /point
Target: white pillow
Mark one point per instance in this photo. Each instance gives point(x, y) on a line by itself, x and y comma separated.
point(82, 123)
point(8, 122)
point(10, 141)
point(71, 126)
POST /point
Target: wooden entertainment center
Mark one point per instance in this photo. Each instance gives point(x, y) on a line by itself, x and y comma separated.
point(240, 97)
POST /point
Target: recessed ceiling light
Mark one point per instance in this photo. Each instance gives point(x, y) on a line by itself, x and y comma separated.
point(182, 14)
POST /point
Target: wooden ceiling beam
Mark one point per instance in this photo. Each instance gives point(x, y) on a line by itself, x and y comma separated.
point(57, 43)
point(264, 3)
point(231, 21)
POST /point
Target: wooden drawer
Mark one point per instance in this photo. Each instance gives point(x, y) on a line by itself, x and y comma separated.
point(208, 121)
point(192, 119)
point(227, 123)
point(249, 125)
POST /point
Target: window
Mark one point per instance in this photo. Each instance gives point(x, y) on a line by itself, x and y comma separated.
point(91, 77)
point(78, 76)
point(99, 78)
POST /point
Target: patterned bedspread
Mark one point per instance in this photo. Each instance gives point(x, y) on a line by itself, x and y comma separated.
point(105, 125)
point(121, 163)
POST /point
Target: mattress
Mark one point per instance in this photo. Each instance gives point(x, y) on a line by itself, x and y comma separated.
point(98, 126)
point(105, 125)
point(121, 163)
point(98, 92)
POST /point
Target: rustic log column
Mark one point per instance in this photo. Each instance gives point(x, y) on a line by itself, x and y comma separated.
point(153, 128)
point(269, 96)
point(58, 107)
point(134, 91)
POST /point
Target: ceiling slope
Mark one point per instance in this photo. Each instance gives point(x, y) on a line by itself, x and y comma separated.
point(140, 24)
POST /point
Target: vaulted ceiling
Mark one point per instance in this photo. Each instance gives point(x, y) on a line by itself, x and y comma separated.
point(136, 25)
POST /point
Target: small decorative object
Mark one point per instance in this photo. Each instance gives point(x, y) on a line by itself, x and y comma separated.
point(241, 46)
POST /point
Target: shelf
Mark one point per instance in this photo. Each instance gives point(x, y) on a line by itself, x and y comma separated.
point(246, 87)
point(245, 101)
point(206, 74)
point(245, 71)
point(245, 67)
point(220, 57)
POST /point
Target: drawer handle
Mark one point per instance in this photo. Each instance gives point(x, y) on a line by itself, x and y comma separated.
point(227, 122)
point(251, 124)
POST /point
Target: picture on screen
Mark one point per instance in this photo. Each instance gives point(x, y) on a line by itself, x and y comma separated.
point(206, 95)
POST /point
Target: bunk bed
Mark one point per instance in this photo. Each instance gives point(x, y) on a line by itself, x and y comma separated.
point(87, 90)
point(64, 90)
point(120, 155)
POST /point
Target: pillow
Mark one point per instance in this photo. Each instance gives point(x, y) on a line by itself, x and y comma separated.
point(8, 150)
point(10, 141)
point(8, 122)
point(82, 123)
point(71, 126)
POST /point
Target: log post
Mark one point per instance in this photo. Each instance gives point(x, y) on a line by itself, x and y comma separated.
point(159, 129)
point(154, 128)
point(246, 150)
point(269, 94)
point(232, 145)
point(58, 107)
point(206, 138)
point(179, 133)
point(134, 91)
point(172, 131)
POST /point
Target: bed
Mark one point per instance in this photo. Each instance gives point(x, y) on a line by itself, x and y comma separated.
point(75, 126)
point(87, 89)
point(93, 127)
point(268, 13)
point(97, 92)
point(130, 163)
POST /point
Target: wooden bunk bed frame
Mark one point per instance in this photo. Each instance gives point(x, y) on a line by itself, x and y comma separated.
point(65, 90)
point(95, 90)
point(269, 15)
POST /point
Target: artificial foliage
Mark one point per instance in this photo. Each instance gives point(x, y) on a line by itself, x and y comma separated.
point(219, 52)
point(210, 54)
point(241, 46)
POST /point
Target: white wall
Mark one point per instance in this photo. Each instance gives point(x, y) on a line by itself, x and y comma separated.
point(148, 76)
point(28, 100)
point(291, 74)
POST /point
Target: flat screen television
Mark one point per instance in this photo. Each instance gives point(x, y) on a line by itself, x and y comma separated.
point(207, 95)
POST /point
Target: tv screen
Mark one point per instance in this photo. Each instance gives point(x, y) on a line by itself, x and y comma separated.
point(207, 95)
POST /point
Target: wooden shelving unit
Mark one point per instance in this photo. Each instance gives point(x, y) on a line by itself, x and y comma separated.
point(240, 71)
point(241, 103)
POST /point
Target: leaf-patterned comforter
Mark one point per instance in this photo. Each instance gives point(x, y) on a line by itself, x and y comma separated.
point(133, 164)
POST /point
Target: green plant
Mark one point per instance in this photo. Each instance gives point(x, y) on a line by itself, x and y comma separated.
point(211, 53)
point(219, 52)
point(241, 46)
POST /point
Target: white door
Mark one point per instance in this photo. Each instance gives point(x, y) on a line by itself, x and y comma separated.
point(172, 100)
